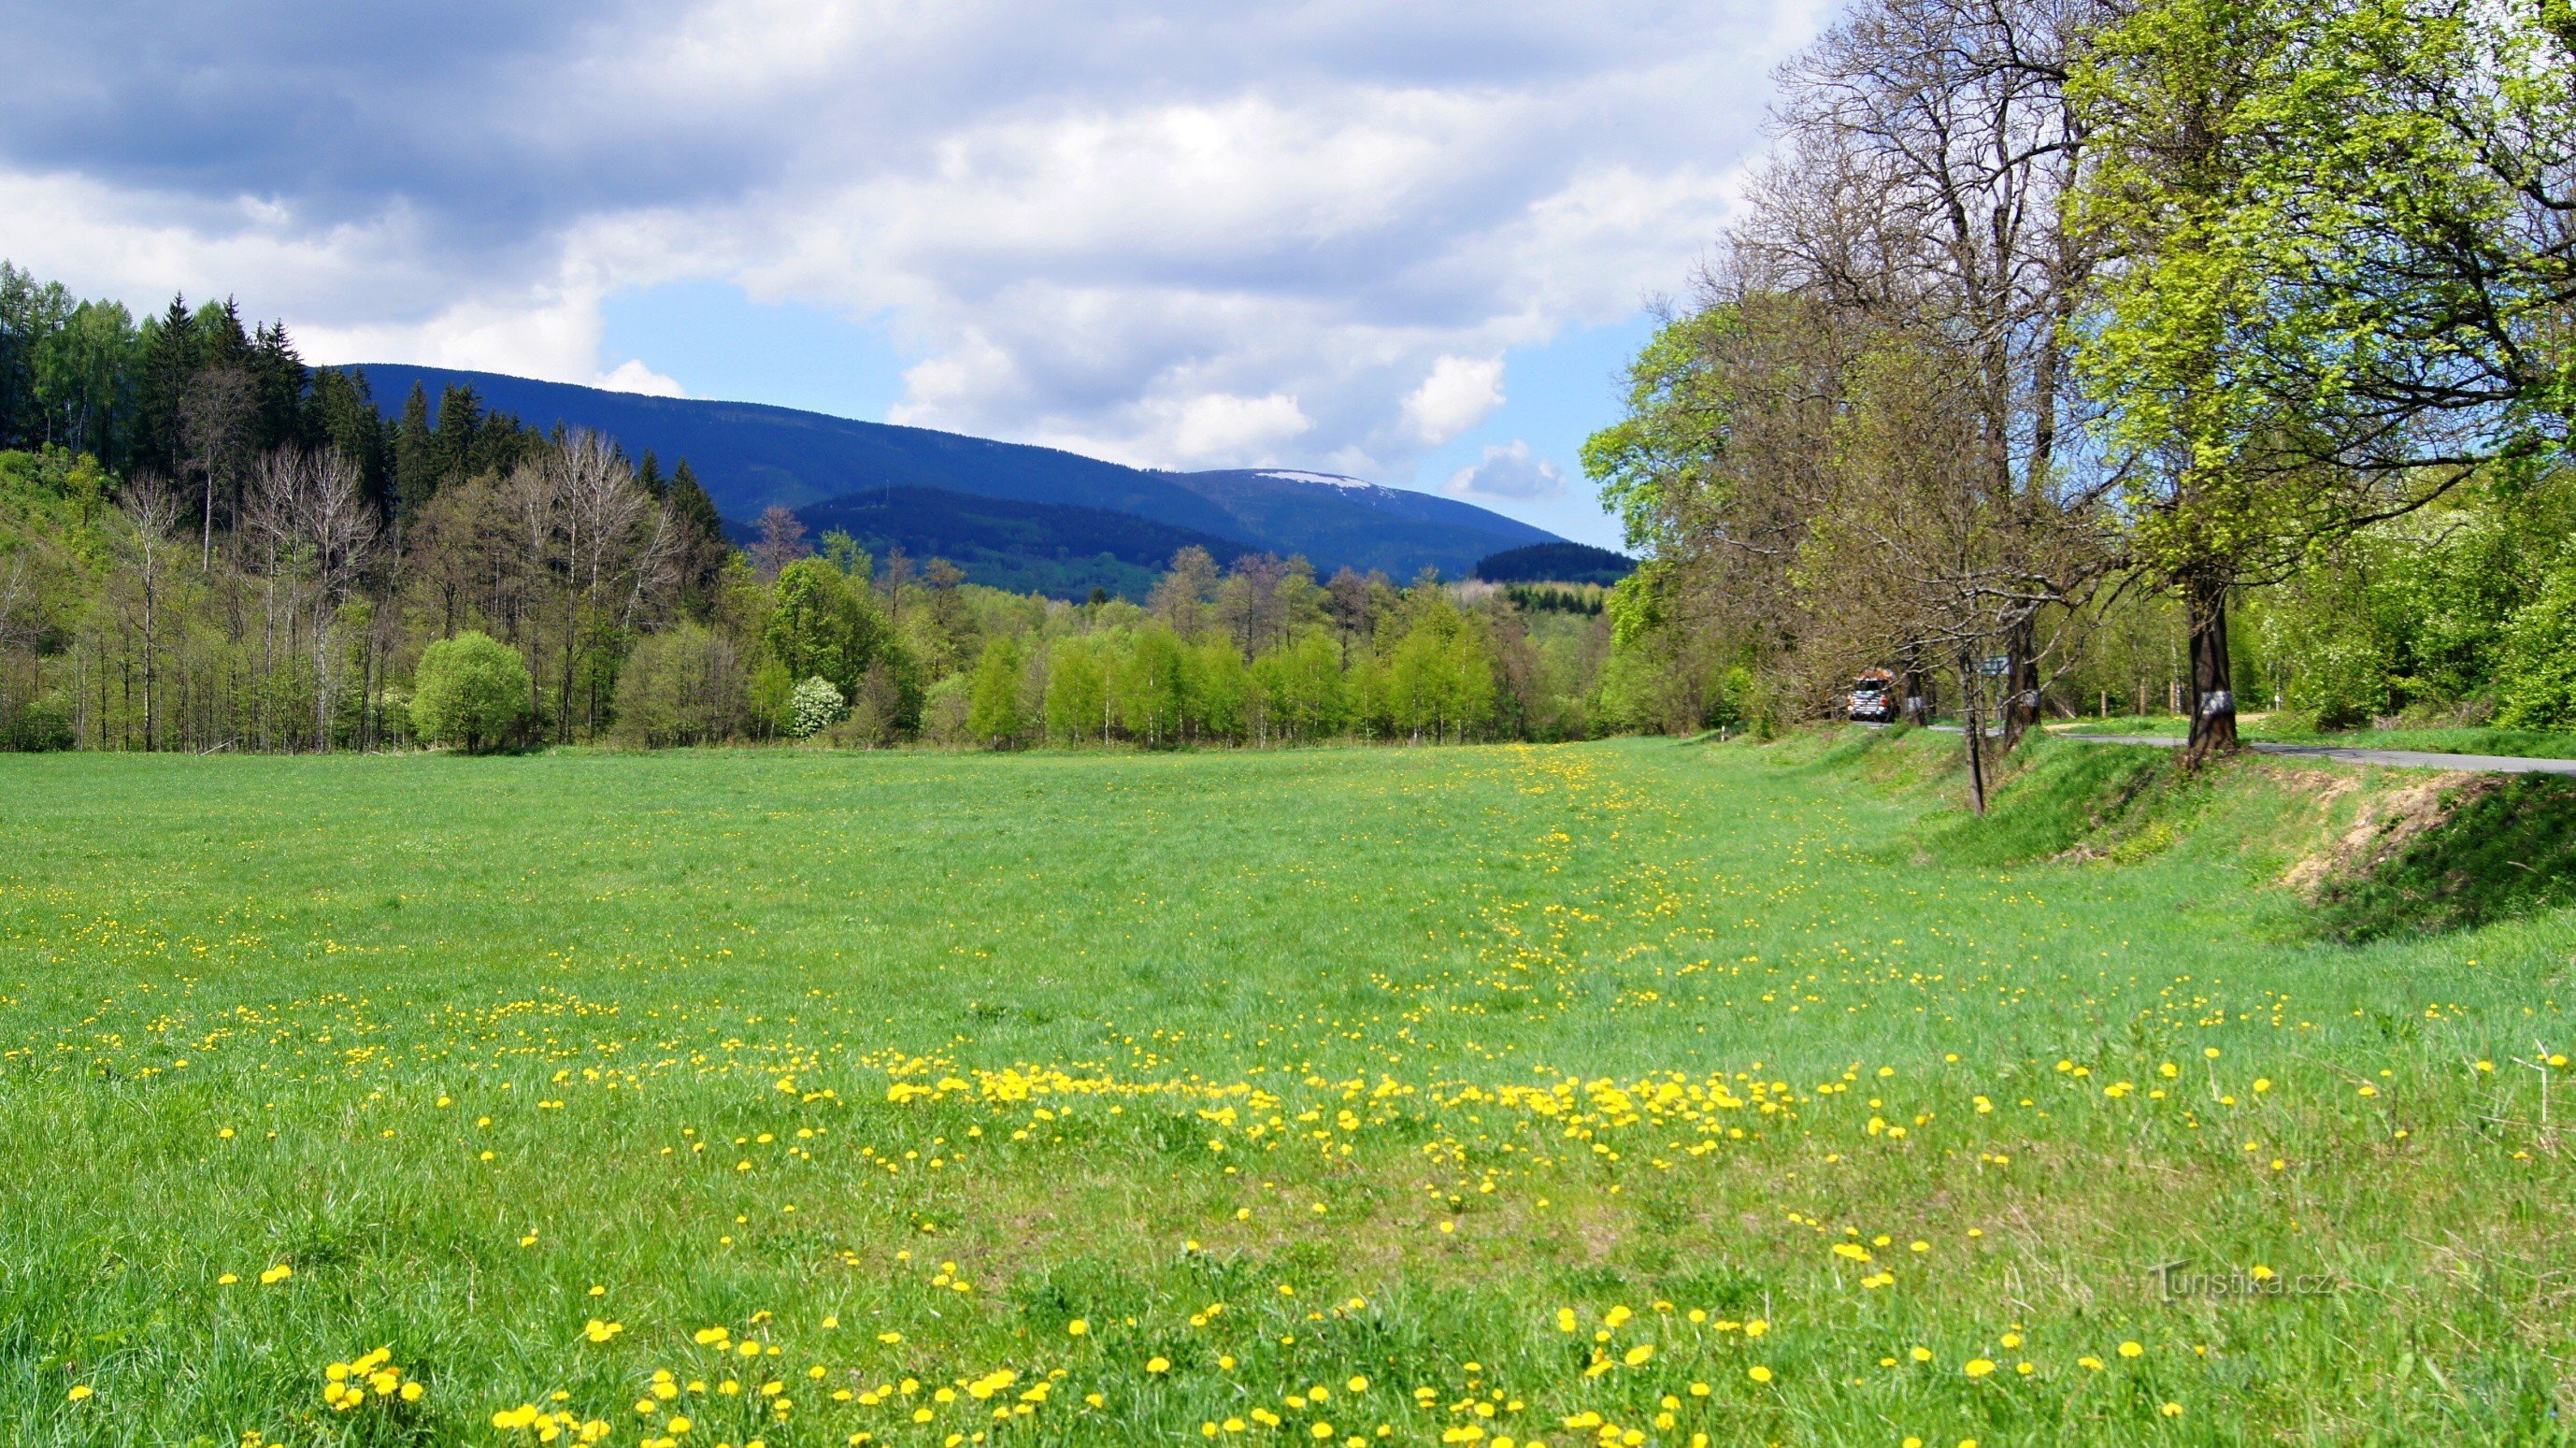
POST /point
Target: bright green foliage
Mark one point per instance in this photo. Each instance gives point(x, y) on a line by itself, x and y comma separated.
point(2537, 682)
point(1217, 689)
point(684, 685)
point(993, 701)
point(822, 624)
point(1077, 691)
point(1299, 688)
point(1655, 460)
point(1439, 681)
point(2184, 328)
point(2323, 278)
point(470, 690)
point(1153, 686)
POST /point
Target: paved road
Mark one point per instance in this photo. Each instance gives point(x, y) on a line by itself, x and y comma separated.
point(2390, 758)
point(2393, 758)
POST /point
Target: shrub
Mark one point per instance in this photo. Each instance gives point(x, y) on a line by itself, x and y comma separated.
point(471, 690)
point(2342, 682)
point(682, 686)
point(944, 712)
point(43, 724)
point(2538, 680)
point(816, 704)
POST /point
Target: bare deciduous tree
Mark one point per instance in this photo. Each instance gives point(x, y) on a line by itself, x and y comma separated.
point(215, 421)
point(782, 540)
point(602, 550)
point(320, 531)
point(151, 511)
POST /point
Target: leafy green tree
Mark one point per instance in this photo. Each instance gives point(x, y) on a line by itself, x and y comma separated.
point(470, 690)
point(993, 703)
point(1300, 688)
point(1217, 690)
point(1153, 686)
point(773, 695)
point(2538, 678)
point(684, 685)
point(85, 381)
point(822, 624)
point(1077, 691)
point(2337, 297)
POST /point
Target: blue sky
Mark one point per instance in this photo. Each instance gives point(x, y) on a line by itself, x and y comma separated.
point(1409, 243)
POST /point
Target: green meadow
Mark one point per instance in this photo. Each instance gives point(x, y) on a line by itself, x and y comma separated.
point(1626, 1093)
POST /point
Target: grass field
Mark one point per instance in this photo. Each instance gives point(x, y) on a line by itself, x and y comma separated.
point(1614, 1094)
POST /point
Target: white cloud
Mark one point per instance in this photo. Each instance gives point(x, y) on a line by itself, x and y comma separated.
point(634, 376)
point(1459, 393)
point(1301, 235)
point(1217, 429)
point(1508, 471)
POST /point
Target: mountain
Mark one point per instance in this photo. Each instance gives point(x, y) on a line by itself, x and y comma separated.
point(1049, 548)
point(1556, 563)
point(749, 456)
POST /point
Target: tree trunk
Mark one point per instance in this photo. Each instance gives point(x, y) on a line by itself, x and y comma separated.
point(2019, 708)
point(1974, 718)
point(2213, 706)
point(1915, 702)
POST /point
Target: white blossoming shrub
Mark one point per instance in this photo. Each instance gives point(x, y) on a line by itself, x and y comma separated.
point(816, 703)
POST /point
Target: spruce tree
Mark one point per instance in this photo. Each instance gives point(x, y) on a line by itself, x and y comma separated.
point(169, 362)
point(222, 340)
point(278, 380)
point(415, 460)
point(340, 413)
point(460, 419)
point(705, 554)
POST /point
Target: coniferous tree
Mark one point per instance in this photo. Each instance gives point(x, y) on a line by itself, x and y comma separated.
point(340, 412)
point(278, 381)
point(20, 338)
point(703, 549)
point(169, 361)
point(415, 455)
point(222, 340)
point(460, 418)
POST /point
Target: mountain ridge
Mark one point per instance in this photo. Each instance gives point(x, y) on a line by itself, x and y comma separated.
point(750, 455)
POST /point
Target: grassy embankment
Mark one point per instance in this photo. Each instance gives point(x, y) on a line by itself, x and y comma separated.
point(1624, 1092)
point(2278, 729)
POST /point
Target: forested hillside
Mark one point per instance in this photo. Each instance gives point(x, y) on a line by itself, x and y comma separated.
point(1046, 548)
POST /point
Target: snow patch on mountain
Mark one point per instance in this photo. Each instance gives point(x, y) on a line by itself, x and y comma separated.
point(1330, 479)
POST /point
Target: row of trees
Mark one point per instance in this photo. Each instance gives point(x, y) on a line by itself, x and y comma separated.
point(1259, 654)
point(2056, 325)
point(282, 568)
